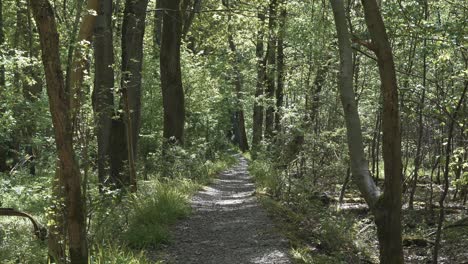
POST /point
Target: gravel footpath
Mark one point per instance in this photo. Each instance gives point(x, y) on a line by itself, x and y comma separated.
point(227, 226)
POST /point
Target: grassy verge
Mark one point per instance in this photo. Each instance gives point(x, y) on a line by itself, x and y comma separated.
point(121, 226)
point(317, 232)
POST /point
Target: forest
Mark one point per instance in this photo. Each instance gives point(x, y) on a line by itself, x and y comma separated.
point(233, 131)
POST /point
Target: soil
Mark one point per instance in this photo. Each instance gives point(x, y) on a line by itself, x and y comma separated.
point(227, 225)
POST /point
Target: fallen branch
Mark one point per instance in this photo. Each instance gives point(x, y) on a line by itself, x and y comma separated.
point(39, 231)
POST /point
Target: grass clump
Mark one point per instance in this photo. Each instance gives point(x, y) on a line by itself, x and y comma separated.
point(155, 208)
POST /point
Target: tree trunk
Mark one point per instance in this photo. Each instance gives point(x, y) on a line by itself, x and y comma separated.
point(239, 112)
point(69, 174)
point(125, 129)
point(359, 166)
point(103, 96)
point(157, 25)
point(419, 157)
point(171, 76)
point(280, 66)
point(448, 151)
point(257, 124)
point(270, 70)
point(388, 211)
point(2, 42)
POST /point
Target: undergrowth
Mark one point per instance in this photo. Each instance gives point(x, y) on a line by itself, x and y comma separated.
point(317, 232)
point(121, 226)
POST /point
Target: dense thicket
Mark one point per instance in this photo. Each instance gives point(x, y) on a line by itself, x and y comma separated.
point(99, 97)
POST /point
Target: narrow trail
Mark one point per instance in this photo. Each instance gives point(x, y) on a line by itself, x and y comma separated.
point(228, 226)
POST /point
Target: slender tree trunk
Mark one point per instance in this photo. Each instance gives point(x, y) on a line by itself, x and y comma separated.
point(157, 25)
point(270, 70)
point(419, 156)
point(103, 96)
point(80, 59)
point(359, 166)
point(388, 211)
point(69, 174)
point(280, 66)
point(257, 124)
point(171, 76)
point(448, 152)
point(2, 42)
point(239, 112)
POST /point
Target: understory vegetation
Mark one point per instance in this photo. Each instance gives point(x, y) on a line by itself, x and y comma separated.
point(122, 226)
point(354, 115)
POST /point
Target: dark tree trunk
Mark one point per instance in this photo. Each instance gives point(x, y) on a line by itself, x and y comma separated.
point(257, 124)
point(280, 67)
point(239, 112)
point(125, 129)
point(2, 42)
point(388, 211)
point(270, 70)
point(69, 174)
point(157, 25)
point(171, 76)
point(103, 96)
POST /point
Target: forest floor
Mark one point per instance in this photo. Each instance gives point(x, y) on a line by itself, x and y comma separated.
point(227, 225)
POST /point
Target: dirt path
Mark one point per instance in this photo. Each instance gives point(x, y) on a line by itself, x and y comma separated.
point(228, 226)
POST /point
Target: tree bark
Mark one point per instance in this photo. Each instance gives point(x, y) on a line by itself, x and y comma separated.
point(270, 70)
point(2, 42)
point(448, 152)
point(69, 174)
point(418, 158)
point(239, 112)
point(388, 211)
point(359, 166)
point(257, 124)
point(171, 76)
point(103, 96)
point(125, 129)
point(280, 66)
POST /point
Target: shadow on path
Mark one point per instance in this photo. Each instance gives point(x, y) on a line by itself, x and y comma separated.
point(228, 226)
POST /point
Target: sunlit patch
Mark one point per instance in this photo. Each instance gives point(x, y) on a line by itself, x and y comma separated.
point(270, 257)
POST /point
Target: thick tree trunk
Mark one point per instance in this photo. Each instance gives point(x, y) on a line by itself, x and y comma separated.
point(270, 70)
point(125, 129)
point(280, 66)
point(388, 212)
point(257, 124)
point(103, 96)
point(69, 174)
point(171, 76)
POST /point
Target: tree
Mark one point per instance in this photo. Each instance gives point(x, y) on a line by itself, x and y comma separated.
point(240, 135)
point(386, 208)
point(257, 124)
point(271, 69)
point(69, 176)
point(171, 76)
point(280, 65)
point(125, 128)
point(103, 95)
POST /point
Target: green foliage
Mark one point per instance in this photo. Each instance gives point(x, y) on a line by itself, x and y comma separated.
point(113, 254)
point(154, 209)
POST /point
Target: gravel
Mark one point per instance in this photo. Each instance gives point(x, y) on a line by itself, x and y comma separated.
point(227, 225)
